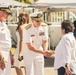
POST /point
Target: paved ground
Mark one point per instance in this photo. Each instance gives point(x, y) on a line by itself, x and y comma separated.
point(49, 69)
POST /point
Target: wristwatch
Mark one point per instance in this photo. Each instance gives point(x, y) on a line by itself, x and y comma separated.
point(1, 58)
point(66, 65)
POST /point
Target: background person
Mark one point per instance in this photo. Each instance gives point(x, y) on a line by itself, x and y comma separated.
point(65, 52)
point(75, 29)
point(23, 20)
point(37, 36)
point(5, 43)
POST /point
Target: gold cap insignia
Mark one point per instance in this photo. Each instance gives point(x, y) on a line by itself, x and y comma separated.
point(6, 10)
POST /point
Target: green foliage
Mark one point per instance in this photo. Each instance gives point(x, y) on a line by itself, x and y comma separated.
point(35, 0)
point(25, 1)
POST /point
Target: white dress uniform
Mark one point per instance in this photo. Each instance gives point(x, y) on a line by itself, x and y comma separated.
point(18, 63)
point(5, 45)
point(34, 61)
point(65, 52)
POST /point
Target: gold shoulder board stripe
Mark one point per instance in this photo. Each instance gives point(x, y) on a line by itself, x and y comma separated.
point(28, 26)
point(43, 24)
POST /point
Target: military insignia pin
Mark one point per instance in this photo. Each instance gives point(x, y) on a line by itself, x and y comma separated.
point(41, 33)
point(32, 35)
point(2, 29)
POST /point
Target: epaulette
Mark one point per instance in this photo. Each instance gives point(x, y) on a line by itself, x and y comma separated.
point(43, 24)
point(28, 26)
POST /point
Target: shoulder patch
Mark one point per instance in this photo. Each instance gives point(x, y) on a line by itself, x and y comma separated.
point(43, 24)
point(28, 26)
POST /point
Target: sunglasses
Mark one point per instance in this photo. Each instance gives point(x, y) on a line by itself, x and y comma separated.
point(38, 21)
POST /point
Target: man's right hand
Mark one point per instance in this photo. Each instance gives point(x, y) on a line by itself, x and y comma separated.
point(2, 64)
point(47, 54)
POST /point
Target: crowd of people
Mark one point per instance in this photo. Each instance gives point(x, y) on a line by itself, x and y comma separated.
point(32, 45)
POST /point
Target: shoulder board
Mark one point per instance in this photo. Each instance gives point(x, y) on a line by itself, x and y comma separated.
point(43, 24)
point(28, 26)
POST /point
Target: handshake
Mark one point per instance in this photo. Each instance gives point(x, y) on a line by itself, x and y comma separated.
point(48, 53)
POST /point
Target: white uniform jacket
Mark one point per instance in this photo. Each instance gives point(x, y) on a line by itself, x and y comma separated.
point(5, 37)
point(5, 45)
point(65, 52)
point(35, 36)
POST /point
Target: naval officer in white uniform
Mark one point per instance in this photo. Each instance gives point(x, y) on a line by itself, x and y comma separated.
point(35, 36)
point(5, 43)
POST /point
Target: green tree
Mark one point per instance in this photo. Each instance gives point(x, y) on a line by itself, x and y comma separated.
point(25, 1)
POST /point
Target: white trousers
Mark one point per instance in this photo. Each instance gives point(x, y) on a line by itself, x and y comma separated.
point(6, 55)
point(34, 66)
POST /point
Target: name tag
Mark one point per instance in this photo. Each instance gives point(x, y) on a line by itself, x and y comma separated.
point(32, 35)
